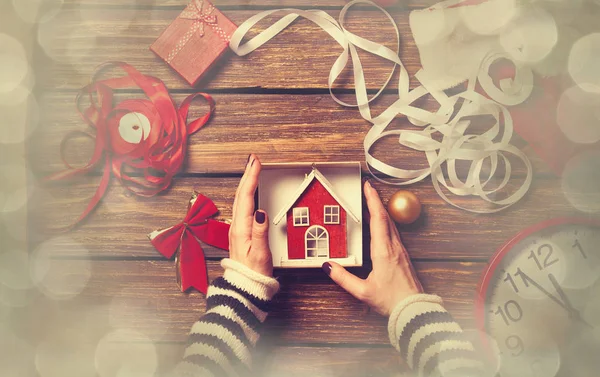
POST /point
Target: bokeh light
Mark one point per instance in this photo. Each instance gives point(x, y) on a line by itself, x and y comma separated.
point(531, 36)
point(430, 27)
point(584, 60)
point(65, 357)
point(15, 224)
point(32, 11)
point(16, 355)
point(556, 62)
point(17, 185)
point(15, 298)
point(489, 17)
point(14, 270)
point(486, 351)
point(20, 115)
point(563, 11)
point(69, 43)
point(13, 63)
point(580, 181)
point(591, 313)
point(60, 279)
point(577, 115)
point(126, 353)
point(540, 361)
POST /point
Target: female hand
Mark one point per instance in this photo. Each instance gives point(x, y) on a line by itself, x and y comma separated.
point(249, 232)
point(393, 277)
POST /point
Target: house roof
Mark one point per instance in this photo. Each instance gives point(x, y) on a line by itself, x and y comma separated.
point(315, 174)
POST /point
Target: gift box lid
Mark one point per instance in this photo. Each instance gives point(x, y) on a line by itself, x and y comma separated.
point(197, 38)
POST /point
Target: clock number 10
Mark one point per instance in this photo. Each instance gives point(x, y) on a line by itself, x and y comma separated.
point(511, 312)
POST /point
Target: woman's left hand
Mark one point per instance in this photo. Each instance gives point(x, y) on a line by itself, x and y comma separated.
point(249, 232)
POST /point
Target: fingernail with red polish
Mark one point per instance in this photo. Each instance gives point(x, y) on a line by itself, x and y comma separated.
point(327, 268)
point(260, 217)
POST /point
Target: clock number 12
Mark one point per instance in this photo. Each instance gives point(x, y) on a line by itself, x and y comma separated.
point(548, 260)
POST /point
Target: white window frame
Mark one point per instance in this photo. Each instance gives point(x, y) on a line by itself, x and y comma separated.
point(334, 218)
point(321, 252)
point(301, 219)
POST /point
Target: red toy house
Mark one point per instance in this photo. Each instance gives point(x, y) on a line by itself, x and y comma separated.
point(316, 221)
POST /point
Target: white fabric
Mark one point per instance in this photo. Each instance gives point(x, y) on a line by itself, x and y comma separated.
point(240, 350)
point(407, 309)
point(229, 313)
point(490, 146)
point(260, 286)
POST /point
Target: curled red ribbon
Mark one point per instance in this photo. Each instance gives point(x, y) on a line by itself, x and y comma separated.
point(185, 236)
point(146, 167)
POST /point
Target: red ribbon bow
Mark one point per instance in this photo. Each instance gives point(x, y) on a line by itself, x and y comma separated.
point(194, 12)
point(185, 236)
point(145, 166)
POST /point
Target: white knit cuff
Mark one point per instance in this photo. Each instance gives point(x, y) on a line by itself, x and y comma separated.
point(416, 303)
point(257, 284)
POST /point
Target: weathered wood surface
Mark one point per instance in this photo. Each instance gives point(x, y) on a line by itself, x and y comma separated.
point(299, 58)
point(239, 3)
point(319, 361)
point(276, 127)
point(273, 103)
point(119, 226)
point(142, 296)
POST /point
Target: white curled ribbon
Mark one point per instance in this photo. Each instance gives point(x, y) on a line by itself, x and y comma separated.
point(455, 145)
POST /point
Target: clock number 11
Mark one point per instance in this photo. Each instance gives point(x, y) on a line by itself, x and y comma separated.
point(577, 246)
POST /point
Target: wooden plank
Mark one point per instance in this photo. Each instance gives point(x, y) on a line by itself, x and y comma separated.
point(278, 128)
point(274, 361)
point(119, 226)
point(76, 42)
point(237, 3)
point(141, 296)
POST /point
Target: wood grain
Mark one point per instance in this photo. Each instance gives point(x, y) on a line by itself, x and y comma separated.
point(77, 41)
point(141, 296)
point(119, 226)
point(237, 3)
point(278, 128)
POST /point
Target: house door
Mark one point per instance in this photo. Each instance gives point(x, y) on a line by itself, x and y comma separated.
point(316, 241)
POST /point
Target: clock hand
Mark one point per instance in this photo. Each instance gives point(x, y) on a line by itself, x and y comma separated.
point(527, 280)
point(572, 311)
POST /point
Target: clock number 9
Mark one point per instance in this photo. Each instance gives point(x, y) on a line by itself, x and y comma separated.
point(515, 344)
point(508, 314)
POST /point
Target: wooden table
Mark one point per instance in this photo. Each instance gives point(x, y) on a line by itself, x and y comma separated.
point(274, 103)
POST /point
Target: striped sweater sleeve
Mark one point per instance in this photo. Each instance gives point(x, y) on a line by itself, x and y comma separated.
point(430, 341)
point(220, 344)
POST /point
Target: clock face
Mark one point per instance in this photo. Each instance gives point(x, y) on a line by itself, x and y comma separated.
point(540, 301)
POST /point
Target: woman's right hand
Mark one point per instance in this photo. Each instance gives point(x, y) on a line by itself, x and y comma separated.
point(393, 277)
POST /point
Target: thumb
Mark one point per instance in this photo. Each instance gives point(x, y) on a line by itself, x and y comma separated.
point(351, 283)
point(260, 231)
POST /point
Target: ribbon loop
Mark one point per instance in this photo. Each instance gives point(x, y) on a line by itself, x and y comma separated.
point(186, 236)
point(450, 122)
point(145, 168)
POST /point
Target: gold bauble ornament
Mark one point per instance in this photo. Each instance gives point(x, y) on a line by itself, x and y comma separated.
point(404, 207)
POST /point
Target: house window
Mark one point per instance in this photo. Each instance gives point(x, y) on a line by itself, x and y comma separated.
point(317, 242)
point(301, 216)
point(332, 214)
